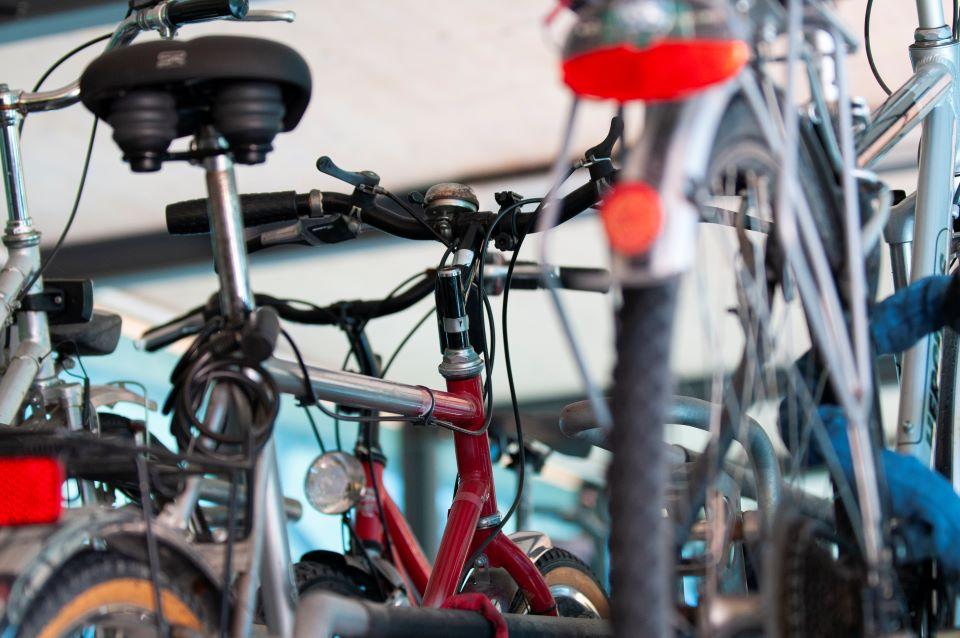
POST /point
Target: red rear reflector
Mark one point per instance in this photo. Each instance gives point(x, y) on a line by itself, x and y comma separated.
point(667, 70)
point(632, 217)
point(30, 490)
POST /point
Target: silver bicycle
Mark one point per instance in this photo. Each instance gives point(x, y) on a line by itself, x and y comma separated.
point(794, 181)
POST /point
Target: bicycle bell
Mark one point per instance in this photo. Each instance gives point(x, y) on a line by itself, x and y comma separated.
point(334, 482)
point(449, 198)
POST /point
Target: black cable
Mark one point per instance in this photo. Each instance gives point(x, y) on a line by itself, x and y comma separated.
point(405, 340)
point(316, 430)
point(491, 350)
point(423, 222)
point(869, 49)
point(73, 215)
point(521, 456)
point(956, 19)
point(66, 56)
point(215, 357)
point(366, 557)
point(388, 545)
point(153, 553)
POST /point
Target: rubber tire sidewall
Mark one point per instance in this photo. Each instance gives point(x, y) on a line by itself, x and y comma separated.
point(93, 579)
point(560, 567)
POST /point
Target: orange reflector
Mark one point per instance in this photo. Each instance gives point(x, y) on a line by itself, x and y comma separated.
point(670, 69)
point(30, 490)
point(632, 217)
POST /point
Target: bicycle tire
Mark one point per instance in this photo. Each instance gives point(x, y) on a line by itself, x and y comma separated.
point(570, 580)
point(637, 475)
point(641, 548)
point(346, 581)
point(105, 586)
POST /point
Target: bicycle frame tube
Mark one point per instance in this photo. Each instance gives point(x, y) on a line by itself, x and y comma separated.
point(29, 362)
point(407, 555)
point(474, 510)
point(917, 411)
point(269, 561)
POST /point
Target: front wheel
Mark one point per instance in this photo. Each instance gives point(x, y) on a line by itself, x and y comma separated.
point(104, 593)
point(575, 589)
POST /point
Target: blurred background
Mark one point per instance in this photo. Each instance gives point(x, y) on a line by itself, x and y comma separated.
point(420, 91)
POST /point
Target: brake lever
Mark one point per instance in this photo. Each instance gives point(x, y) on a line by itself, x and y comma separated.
point(598, 159)
point(308, 231)
point(359, 179)
point(267, 15)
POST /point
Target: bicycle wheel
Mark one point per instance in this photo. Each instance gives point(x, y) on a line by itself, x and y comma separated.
point(742, 168)
point(110, 594)
point(575, 589)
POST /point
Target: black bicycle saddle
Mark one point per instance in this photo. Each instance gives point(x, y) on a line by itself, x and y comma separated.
point(249, 89)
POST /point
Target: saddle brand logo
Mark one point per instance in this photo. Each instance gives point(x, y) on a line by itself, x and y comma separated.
point(171, 59)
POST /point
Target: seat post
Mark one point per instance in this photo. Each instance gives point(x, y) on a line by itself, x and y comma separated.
point(226, 230)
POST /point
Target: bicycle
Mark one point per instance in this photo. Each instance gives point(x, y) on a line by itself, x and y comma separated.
point(56, 325)
point(227, 387)
point(799, 176)
point(384, 560)
point(450, 215)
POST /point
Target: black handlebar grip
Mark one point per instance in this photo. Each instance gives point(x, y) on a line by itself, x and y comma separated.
point(585, 279)
point(180, 12)
point(257, 209)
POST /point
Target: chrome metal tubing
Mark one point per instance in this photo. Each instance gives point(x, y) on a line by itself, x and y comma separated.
point(277, 587)
point(246, 601)
point(18, 219)
point(267, 15)
point(898, 234)
point(226, 233)
point(357, 390)
point(930, 14)
point(60, 98)
point(904, 109)
point(33, 326)
point(177, 513)
point(218, 491)
point(14, 274)
point(17, 379)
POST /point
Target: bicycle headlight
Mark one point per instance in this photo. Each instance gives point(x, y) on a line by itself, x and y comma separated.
point(334, 482)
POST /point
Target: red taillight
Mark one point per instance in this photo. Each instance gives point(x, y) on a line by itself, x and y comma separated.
point(666, 70)
point(30, 490)
point(632, 217)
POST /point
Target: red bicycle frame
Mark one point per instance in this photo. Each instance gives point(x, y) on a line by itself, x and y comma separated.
point(475, 500)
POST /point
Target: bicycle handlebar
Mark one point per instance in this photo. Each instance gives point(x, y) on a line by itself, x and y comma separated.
point(526, 275)
point(258, 209)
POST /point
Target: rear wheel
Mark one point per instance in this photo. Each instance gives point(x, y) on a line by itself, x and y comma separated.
point(103, 593)
point(575, 589)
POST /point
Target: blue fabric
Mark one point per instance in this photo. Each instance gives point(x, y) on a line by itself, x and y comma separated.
point(908, 315)
point(918, 495)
